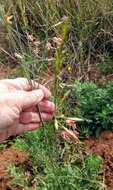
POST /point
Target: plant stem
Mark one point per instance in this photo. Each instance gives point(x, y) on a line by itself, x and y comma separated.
point(32, 84)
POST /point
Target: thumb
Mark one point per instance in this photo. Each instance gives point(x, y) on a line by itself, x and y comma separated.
point(24, 100)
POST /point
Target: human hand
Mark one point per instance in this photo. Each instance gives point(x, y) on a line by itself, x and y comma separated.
point(18, 112)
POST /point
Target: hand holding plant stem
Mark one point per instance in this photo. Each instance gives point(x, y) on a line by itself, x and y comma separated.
point(29, 73)
point(20, 107)
point(32, 83)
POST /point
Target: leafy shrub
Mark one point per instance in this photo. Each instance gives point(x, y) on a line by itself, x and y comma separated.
point(93, 103)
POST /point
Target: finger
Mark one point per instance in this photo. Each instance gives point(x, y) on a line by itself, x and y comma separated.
point(23, 100)
point(22, 128)
point(31, 109)
point(30, 117)
point(46, 106)
point(24, 84)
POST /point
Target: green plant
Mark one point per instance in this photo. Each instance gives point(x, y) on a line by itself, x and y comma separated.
point(106, 65)
point(72, 177)
point(94, 103)
point(57, 165)
point(19, 178)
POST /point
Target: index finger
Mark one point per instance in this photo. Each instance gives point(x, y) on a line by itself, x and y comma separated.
point(24, 84)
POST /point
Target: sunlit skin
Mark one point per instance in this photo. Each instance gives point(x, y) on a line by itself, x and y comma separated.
point(18, 107)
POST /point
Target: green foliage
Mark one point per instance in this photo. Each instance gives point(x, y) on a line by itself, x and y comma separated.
point(95, 104)
point(106, 65)
point(18, 174)
point(71, 178)
point(92, 166)
point(57, 165)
